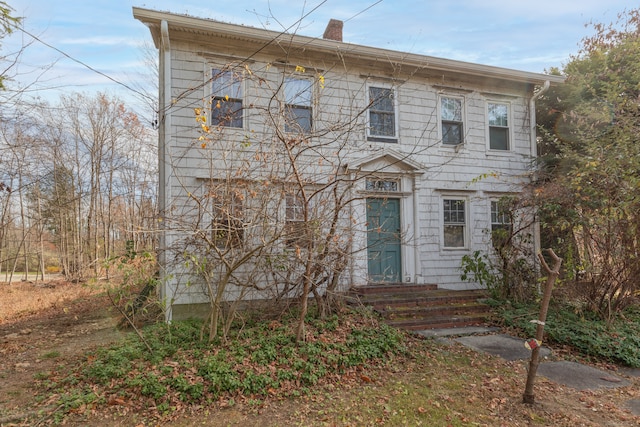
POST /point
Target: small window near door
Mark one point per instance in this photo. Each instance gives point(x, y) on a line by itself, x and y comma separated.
point(295, 232)
point(500, 217)
point(387, 185)
point(454, 223)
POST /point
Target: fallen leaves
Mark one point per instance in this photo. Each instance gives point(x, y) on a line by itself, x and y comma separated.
point(116, 401)
point(430, 385)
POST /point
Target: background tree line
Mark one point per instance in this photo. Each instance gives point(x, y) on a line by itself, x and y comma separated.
point(77, 176)
point(588, 189)
point(77, 186)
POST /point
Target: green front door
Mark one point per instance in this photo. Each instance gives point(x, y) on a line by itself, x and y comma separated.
point(383, 240)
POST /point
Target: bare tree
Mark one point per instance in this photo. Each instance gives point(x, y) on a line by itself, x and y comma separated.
point(95, 189)
point(272, 216)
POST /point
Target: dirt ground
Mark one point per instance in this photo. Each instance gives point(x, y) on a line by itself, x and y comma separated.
point(66, 320)
point(60, 323)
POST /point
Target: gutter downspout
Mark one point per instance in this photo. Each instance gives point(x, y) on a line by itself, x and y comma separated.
point(534, 155)
point(164, 130)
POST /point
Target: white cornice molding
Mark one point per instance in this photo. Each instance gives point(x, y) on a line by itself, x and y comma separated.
point(185, 23)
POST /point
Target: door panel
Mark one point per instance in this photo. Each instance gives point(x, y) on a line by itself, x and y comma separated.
point(383, 240)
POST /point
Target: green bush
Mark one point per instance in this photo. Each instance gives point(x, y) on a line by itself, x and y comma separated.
point(219, 375)
point(255, 362)
point(113, 362)
point(149, 384)
point(587, 333)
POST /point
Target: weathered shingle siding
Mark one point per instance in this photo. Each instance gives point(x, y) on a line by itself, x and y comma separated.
point(463, 172)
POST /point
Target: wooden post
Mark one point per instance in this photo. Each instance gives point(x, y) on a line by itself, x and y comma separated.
point(552, 275)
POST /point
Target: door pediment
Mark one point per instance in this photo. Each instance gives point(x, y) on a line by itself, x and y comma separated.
point(387, 162)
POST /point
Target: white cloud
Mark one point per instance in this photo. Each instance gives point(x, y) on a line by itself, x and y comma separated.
point(102, 41)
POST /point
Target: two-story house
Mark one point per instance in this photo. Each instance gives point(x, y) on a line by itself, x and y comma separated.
point(415, 150)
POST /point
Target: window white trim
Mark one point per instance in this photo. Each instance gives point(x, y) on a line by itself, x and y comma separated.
point(499, 215)
point(378, 185)
point(292, 209)
point(463, 118)
point(454, 221)
point(382, 138)
point(298, 102)
point(508, 127)
point(227, 212)
point(209, 73)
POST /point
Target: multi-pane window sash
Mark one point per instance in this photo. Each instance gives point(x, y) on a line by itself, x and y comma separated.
point(295, 229)
point(227, 225)
point(498, 126)
point(501, 224)
point(298, 101)
point(454, 223)
point(226, 99)
point(382, 185)
point(500, 218)
point(451, 118)
point(382, 118)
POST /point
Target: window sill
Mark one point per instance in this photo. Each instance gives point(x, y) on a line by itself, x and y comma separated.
point(451, 149)
point(498, 153)
point(293, 136)
point(226, 127)
point(451, 250)
point(382, 139)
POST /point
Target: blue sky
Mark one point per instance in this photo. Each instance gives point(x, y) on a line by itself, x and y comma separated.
point(518, 34)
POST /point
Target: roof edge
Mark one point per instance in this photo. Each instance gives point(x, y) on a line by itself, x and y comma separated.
point(153, 18)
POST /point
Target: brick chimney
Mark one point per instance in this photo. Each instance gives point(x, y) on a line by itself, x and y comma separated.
point(334, 30)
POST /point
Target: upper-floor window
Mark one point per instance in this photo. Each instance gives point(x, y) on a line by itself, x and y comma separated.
point(498, 126)
point(451, 119)
point(226, 99)
point(298, 95)
point(454, 223)
point(382, 114)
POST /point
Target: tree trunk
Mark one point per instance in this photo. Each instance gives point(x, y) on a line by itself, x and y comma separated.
point(552, 275)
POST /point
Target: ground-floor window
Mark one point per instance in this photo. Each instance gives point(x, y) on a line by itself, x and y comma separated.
point(501, 222)
point(454, 220)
